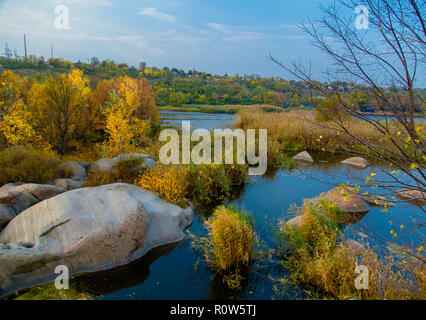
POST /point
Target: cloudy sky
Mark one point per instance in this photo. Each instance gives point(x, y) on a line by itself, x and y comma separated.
point(220, 36)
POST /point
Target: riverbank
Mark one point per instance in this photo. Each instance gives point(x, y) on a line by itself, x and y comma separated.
point(228, 109)
point(297, 130)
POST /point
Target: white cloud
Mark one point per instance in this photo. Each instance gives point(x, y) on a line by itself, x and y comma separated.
point(157, 14)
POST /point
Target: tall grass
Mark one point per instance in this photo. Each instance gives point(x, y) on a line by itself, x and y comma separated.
point(297, 130)
point(229, 243)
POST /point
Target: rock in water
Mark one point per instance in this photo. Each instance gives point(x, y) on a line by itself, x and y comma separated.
point(349, 203)
point(413, 196)
point(357, 162)
point(303, 156)
point(88, 229)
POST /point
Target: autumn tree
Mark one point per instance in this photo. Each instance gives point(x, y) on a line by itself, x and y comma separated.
point(58, 108)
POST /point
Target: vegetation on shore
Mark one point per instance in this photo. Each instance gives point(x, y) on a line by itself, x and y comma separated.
point(205, 185)
point(297, 130)
point(228, 109)
point(315, 256)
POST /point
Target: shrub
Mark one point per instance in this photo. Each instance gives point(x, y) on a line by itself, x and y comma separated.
point(25, 165)
point(229, 243)
point(168, 182)
point(204, 185)
point(210, 185)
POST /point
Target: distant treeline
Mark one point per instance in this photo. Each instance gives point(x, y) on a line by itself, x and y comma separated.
point(178, 87)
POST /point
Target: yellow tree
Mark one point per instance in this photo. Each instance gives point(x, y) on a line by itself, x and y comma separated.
point(58, 106)
point(123, 132)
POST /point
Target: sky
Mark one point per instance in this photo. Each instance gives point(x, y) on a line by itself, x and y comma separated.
point(214, 36)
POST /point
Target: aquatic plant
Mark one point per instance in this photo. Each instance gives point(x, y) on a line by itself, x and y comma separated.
point(229, 243)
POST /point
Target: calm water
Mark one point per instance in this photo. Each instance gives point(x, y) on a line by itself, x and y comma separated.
point(198, 120)
point(178, 272)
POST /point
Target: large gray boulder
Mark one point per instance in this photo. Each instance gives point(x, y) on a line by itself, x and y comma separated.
point(106, 165)
point(88, 229)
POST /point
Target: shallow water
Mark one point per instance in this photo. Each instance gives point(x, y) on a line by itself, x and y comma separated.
point(178, 271)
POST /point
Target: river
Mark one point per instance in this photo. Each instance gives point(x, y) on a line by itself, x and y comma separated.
point(179, 272)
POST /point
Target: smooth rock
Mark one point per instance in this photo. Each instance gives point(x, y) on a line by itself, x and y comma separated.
point(6, 215)
point(413, 196)
point(106, 165)
point(88, 229)
point(75, 170)
point(22, 196)
point(297, 221)
point(349, 203)
point(67, 184)
point(303, 156)
point(378, 201)
point(357, 162)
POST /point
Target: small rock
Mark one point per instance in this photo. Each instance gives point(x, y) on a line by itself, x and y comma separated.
point(378, 201)
point(353, 245)
point(413, 196)
point(75, 170)
point(303, 156)
point(297, 221)
point(106, 165)
point(349, 203)
point(357, 162)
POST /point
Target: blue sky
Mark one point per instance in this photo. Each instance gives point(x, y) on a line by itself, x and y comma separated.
point(220, 36)
point(215, 36)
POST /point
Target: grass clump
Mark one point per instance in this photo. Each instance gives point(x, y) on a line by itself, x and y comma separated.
point(26, 165)
point(228, 245)
point(315, 259)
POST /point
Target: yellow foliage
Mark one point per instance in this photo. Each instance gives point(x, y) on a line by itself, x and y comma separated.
point(168, 182)
point(58, 107)
point(229, 244)
point(124, 133)
point(17, 130)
